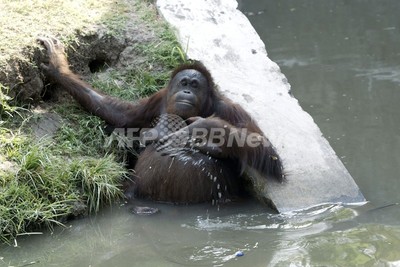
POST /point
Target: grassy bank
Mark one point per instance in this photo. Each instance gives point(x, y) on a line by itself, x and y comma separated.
point(69, 172)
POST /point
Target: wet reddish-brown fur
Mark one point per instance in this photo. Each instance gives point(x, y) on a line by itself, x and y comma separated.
point(175, 177)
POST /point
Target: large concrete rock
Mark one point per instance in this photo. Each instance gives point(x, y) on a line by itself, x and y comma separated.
point(219, 35)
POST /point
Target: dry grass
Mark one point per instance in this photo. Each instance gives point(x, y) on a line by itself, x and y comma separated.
point(22, 21)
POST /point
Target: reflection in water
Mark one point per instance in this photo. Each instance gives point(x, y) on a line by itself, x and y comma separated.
point(369, 245)
point(180, 235)
point(207, 236)
point(342, 59)
point(391, 74)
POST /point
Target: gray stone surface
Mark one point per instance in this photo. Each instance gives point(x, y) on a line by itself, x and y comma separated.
point(219, 35)
point(46, 124)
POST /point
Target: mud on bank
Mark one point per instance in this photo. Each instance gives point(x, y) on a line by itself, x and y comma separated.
point(53, 162)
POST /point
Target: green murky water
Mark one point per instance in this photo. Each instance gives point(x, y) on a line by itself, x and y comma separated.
point(342, 59)
point(204, 236)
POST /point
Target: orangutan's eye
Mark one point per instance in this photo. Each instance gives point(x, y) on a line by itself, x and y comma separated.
point(184, 82)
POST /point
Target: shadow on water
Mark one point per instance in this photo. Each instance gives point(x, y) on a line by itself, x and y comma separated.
point(342, 59)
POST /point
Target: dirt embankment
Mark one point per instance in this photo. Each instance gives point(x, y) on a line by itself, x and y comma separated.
point(91, 51)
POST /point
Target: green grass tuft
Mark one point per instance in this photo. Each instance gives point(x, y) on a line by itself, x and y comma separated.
point(44, 188)
point(100, 180)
